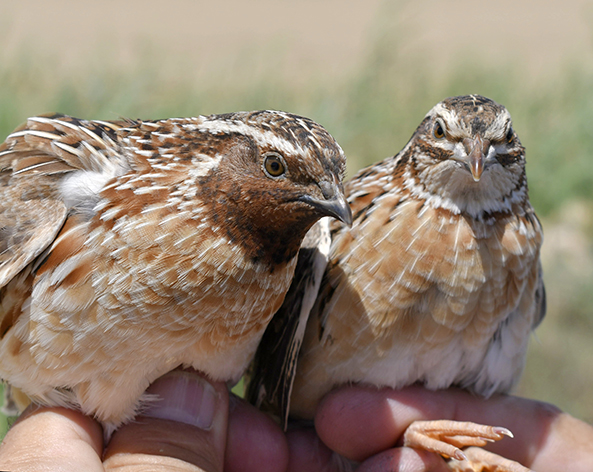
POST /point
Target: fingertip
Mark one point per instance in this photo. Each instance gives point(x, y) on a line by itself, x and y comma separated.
point(307, 452)
point(52, 437)
point(404, 459)
point(254, 441)
point(62, 422)
point(187, 397)
point(185, 426)
point(358, 422)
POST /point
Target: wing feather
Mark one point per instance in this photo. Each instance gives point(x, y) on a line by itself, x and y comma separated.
point(32, 159)
point(274, 366)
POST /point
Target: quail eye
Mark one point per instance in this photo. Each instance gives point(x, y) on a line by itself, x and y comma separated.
point(510, 134)
point(438, 131)
point(274, 165)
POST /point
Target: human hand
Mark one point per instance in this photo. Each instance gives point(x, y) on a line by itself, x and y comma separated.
point(194, 427)
point(365, 424)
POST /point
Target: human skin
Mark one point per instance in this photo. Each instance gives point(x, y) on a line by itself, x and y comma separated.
point(194, 427)
point(365, 423)
point(192, 431)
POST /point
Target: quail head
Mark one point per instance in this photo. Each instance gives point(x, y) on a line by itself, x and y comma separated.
point(129, 248)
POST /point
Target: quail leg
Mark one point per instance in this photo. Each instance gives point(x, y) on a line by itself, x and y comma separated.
point(448, 437)
point(480, 460)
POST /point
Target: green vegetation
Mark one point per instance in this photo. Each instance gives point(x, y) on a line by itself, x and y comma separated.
point(372, 111)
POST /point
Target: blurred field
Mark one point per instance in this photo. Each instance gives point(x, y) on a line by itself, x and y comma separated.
point(370, 98)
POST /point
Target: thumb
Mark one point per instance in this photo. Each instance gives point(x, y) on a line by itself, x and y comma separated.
point(184, 429)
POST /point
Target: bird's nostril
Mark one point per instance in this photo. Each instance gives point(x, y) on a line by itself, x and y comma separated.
point(327, 189)
point(485, 146)
point(468, 145)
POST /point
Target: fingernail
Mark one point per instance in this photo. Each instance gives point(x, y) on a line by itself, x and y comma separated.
point(459, 455)
point(500, 430)
point(184, 397)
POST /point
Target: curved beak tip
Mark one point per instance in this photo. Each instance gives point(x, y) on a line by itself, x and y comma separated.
point(336, 207)
point(339, 208)
point(346, 216)
point(476, 164)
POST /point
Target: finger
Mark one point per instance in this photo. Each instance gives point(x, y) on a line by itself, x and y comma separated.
point(254, 442)
point(184, 430)
point(52, 439)
point(360, 421)
point(404, 459)
point(308, 454)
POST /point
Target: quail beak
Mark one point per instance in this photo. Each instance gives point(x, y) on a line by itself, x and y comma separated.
point(476, 149)
point(334, 204)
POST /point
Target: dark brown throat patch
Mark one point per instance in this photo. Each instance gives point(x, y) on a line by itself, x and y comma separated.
point(268, 231)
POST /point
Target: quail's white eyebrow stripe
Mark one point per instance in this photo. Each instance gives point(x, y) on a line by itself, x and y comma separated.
point(261, 137)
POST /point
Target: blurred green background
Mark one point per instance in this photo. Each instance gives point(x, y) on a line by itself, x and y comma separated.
point(368, 70)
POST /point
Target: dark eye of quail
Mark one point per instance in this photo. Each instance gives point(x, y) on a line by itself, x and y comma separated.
point(510, 134)
point(438, 131)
